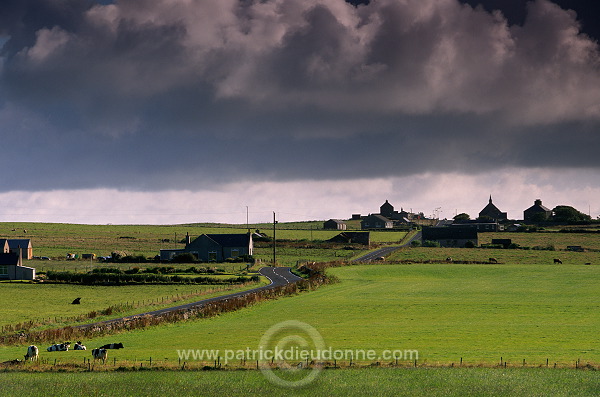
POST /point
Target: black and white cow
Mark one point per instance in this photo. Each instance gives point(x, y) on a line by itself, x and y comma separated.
point(100, 354)
point(62, 347)
point(79, 346)
point(112, 346)
point(32, 353)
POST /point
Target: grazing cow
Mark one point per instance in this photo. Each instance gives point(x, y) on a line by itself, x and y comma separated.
point(558, 261)
point(588, 263)
point(100, 354)
point(449, 259)
point(76, 301)
point(62, 347)
point(79, 346)
point(493, 260)
point(112, 346)
point(32, 353)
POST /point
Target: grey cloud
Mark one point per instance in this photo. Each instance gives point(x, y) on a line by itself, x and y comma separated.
point(183, 95)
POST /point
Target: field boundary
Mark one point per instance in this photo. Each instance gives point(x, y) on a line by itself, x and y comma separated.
point(202, 309)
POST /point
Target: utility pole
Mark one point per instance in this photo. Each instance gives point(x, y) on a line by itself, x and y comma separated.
point(247, 224)
point(274, 222)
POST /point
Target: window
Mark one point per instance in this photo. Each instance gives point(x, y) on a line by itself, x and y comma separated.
point(235, 253)
point(3, 270)
point(212, 256)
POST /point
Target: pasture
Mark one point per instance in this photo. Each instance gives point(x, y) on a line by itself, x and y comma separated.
point(55, 240)
point(523, 312)
point(50, 304)
point(347, 382)
point(480, 313)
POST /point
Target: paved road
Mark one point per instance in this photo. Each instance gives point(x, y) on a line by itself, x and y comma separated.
point(385, 251)
point(277, 275)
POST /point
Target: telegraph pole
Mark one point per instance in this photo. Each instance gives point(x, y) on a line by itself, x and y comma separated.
point(274, 222)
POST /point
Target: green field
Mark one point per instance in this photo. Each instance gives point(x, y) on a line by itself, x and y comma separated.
point(51, 305)
point(377, 381)
point(524, 312)
point(479, 313)
point(55, 240)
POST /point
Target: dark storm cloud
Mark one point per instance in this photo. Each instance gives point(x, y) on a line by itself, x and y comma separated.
point(168, 94)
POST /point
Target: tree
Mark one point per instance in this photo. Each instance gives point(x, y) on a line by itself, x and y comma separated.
point(567, 214)
point(462, 217)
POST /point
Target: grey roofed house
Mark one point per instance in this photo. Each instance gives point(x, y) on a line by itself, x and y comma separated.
point(536, 212)
point(450, 236)
point(491, 211)
point(11, 269)
point(335, 224)
point(24, 245)
point(213, 247)
point(363, 238)
point(376, 221)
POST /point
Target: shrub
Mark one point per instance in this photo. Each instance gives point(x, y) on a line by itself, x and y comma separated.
point(185, 257)
point(107, 270)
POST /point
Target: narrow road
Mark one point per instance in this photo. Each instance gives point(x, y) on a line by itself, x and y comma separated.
point(277, 275)
point(385, 251)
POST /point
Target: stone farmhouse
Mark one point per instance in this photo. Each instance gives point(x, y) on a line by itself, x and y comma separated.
point(213, 247)
point(11, 264)
point(387, 218)
point(537, 212)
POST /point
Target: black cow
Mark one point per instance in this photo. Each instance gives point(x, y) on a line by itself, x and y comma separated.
point(112, 346)
point(76, 301)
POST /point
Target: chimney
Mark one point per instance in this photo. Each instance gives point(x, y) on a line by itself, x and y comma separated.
point(187, 239)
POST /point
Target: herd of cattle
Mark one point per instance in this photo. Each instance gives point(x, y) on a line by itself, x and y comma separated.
point(100, 353)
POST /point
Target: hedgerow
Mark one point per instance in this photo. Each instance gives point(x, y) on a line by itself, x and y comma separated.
point(120, 278)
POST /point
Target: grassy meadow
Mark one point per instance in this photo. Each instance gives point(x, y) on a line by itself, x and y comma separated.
point(50, 304)
point(346, 382)
point(446, 312)
point(55, 240)
point(524, 311)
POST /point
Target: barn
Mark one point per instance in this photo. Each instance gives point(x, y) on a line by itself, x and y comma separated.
point(334, 224)
point(451, 236)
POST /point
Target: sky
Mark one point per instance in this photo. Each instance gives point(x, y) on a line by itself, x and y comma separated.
point(178, 111)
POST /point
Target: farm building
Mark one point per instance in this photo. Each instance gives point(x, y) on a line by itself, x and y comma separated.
point(363, 238)
point(213, 247)
point(16, 246)
point(376, 221)
point(451, 236)
point(492, 212)
point(11, 268)
point(335, 224)
point(480, 226)
point(537, 212)
point(388, 211)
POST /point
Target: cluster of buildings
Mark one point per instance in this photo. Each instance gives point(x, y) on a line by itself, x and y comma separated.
point(456, 233)
point(490, 219)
